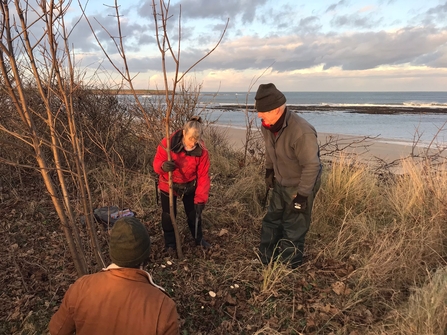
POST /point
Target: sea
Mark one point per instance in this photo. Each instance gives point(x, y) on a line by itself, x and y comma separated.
point(417, 116)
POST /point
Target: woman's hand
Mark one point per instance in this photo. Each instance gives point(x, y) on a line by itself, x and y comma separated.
point(168, 166)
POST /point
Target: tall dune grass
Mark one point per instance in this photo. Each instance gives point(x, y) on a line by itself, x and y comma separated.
point(393, 232)
point(424, 313)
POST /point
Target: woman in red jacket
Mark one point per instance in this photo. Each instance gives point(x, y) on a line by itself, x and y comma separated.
point(189, 165)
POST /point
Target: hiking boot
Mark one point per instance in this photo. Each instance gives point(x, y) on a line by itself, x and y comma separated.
point(170, 252)
point(204, 244)
point(169, 247)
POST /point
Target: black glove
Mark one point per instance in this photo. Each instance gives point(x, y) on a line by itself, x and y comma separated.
point(269, 174)
point(168, 166)
point(299, 203)
point(199, 208)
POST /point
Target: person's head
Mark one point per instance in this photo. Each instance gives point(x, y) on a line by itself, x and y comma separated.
point(192, 133)
point(270, 103)
point(129, 243)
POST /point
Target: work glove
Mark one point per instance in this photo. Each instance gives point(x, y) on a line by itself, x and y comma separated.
point(269, 174)
point(199, 208)
point(299, 203)
point(168, 166)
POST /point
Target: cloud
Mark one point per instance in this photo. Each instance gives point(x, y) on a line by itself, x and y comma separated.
point(369, 50)
point(310, 24)
point(355, 20)
point(438, 9)
point(287, 40)
point(434, 15)
point(221, 9)
point(135, 35)
point(245, 10)
point(355, 51)
point(334, 6)
point(436, 59)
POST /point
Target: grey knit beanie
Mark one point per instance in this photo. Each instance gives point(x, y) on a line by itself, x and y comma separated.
point(129, 242)
point(268, 97)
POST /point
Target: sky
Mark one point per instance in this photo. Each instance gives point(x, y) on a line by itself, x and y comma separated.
point(319, 45)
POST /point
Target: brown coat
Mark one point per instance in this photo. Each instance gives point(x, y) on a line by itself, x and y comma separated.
point(116, 301)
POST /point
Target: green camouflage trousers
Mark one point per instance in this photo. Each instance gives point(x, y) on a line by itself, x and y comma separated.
point(283, 228)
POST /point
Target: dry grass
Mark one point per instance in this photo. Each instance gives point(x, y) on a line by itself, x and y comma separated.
point(393, 233)
point(126, 189)
point(424, 313)
point(374, 249)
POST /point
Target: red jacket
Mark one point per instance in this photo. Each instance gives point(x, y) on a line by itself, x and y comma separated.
point(116, 301)
point(191, 165)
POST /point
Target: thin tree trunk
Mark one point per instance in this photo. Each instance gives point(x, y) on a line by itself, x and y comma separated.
point(171, 196)
point(81, 267)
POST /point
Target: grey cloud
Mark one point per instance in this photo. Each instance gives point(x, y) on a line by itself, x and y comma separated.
point(135, 35)
point(222, 9)
point(369, 50)
point(82, 39)
point(437, 59)
point(147, 63)
point(358, 51)
point(434, 15)
point(335, 5)
point(310, 24)
point(203, 9)
point(354, 20)
point(140, 65)
point(438, 9)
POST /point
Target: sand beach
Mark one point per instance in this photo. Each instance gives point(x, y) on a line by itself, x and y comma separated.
point(373, 151)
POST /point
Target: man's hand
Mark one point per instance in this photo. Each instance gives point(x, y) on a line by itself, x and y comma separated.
point(299, 203)
point(269, 175)
point(168, 166)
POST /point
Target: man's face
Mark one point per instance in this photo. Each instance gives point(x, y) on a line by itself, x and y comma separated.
point(270, 117)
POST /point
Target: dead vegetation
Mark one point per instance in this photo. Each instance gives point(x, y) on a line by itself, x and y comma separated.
point(375, 253)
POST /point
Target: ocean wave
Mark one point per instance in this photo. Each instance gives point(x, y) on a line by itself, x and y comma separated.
point(411, 104)
point(425, 104)
point(404, 105)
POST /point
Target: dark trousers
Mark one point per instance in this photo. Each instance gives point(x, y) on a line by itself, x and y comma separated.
point(166, 223)
point(283, 228)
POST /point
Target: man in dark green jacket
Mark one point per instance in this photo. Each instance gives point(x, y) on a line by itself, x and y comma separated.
point(293, 170)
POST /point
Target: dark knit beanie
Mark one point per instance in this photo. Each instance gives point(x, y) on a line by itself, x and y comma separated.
point(129, 242)
point(268, 98)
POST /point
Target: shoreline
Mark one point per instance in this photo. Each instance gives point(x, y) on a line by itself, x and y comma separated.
point(371, 151)
point(378, 109)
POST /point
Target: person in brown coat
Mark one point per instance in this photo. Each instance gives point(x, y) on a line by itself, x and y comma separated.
point(122, 298)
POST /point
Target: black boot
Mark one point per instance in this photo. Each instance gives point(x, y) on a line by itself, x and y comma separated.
point(204, 244)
